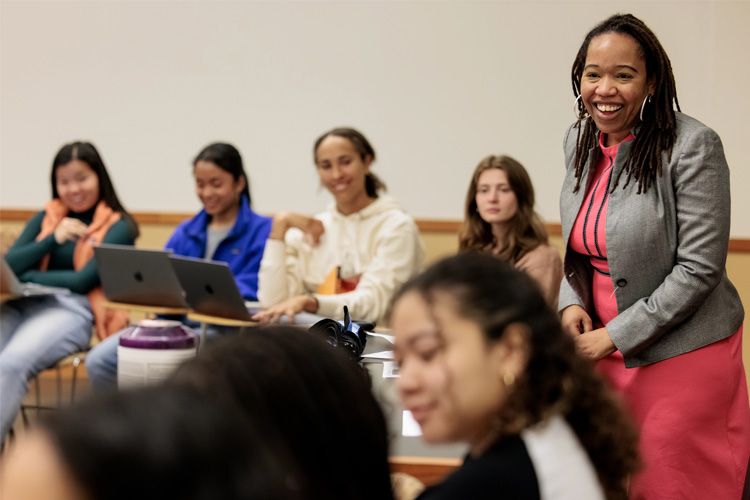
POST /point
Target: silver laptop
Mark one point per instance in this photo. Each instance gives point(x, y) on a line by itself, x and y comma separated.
point(137, 276)
point(211, 290)
point(9, 285)
point(210, 287)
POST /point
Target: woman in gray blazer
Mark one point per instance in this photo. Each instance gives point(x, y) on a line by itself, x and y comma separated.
point(645, 212)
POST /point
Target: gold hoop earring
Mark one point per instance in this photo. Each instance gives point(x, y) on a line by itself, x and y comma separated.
point(509, 379)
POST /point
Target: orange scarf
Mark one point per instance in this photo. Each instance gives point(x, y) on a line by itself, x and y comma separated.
point(107, 321)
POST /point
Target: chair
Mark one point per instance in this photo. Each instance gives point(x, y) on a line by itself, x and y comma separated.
point(74, 360)
point(405, 486)
point(7, 237)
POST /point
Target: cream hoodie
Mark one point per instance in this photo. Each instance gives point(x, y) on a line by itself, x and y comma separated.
point(380, 242)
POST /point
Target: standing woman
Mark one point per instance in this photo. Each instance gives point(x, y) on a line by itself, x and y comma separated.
point(56, 248)
point(500, 219)
point(226, 230)
point(645, 216)
point(365, 235)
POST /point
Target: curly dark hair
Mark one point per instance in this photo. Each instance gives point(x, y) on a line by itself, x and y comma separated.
point(657, 132)
point(556, 380)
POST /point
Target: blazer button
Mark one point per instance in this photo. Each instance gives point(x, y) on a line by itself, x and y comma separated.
point(622, 282)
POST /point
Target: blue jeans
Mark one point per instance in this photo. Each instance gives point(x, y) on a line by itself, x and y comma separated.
point(35, 333)
point(101, 361)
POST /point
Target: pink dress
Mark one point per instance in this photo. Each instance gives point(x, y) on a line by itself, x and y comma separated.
point(692, 409)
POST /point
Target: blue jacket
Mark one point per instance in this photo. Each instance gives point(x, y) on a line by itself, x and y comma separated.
point(242, 249)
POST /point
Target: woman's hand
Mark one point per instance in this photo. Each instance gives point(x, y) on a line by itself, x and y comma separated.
point(575, 320)
point(595, 345)
point(289, 307)
point(283, 221)
point(69, 229)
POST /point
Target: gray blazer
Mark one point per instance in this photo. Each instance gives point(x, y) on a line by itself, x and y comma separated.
point(666, 249)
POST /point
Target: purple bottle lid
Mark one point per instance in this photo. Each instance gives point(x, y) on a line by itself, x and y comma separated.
point(159, 334)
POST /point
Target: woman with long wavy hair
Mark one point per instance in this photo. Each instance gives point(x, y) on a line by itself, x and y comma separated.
point(500, 219)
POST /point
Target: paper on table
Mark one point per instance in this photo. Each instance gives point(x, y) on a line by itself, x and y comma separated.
point(390, 369)
point(409, 426)
point(389, 338)
point(380, 355)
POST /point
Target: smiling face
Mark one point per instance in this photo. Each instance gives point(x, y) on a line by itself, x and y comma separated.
point(450, 376)
point(614, 84)
point(495, 199)
point(343, 171)
point(77, 186)
point(217, 189)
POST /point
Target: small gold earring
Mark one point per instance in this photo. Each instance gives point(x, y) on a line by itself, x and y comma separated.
point(509, 379)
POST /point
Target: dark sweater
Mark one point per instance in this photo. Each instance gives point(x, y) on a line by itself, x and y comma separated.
point(503, 471)
point(26, 253)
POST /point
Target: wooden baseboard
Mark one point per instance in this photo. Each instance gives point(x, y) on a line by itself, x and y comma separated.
point(737, 245)
point(427, 470)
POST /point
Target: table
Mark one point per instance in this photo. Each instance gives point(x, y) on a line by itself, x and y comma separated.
point(148, 310)
point(205, 320)
point(409, 454)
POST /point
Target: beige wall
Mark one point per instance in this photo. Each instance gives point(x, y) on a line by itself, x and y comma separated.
point(435, 86)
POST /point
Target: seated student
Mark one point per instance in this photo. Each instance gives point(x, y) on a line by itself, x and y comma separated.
point(151, 443)
point(484, 360)
point(55, 248)
point(500, 220)
point(364, 238)
point(226, 230)
point(310, 399)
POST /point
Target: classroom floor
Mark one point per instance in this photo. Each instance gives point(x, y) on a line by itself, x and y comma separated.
point(52, 391)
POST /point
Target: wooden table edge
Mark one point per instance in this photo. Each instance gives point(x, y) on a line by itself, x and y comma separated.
point(146, 309)
point(217, 320)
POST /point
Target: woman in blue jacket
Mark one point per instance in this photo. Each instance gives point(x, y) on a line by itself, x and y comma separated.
point(225, 230)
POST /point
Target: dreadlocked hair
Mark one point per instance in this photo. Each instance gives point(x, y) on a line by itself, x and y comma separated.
point(657, 132)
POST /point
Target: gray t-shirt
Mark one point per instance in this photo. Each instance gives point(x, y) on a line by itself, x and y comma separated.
point(213, 238)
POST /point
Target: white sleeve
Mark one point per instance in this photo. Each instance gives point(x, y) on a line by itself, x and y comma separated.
point(398, 255)
point(279, 277)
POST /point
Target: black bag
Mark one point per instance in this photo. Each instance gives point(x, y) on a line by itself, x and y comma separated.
point(346, 335)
